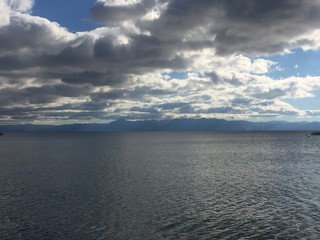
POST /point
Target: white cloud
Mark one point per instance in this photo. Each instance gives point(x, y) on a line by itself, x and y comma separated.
point(119, 2)
point(7, 7)
point(20, 5)
point(307, 41)
point(4, 13)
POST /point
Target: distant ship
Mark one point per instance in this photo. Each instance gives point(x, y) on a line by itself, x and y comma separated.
point(1, 133)
point(315, 134)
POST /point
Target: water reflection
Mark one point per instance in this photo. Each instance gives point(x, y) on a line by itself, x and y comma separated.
point(160, 186)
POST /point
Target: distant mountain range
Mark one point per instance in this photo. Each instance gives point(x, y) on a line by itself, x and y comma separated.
point(169, 125)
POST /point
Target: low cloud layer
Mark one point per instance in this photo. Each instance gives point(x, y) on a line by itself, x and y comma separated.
point(155, 59)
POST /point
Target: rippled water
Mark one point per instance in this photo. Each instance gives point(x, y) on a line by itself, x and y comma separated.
point(160, 186)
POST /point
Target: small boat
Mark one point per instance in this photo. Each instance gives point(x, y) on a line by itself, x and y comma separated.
point(315, 134)
point(1, 134)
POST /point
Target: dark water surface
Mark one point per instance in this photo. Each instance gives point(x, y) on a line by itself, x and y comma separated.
point(160, 186)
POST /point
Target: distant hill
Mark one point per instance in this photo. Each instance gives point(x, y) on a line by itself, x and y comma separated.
point(169, 125)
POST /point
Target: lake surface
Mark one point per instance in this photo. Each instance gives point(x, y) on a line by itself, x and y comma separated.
point(160, 186)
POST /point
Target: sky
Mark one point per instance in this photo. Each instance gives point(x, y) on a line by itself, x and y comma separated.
point(94, 61)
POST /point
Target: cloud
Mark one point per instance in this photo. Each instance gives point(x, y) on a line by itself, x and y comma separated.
point(40, 95)
point(4, 14)
point(247, 26)
point(20, 5)
point(7, 7)
point(115, 12)
point(123, 69)
point(32, 35)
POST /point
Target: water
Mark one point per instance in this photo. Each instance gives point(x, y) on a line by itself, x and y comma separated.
point(160, 186)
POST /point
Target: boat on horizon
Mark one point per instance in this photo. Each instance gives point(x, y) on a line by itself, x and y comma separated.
point(1, 134)
point(315, 134)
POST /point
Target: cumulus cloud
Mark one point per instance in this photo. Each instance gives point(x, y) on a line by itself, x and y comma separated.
point(20, 5)
point(127, 68)
point(4, 14)
point(7, 7)
point(247, 26)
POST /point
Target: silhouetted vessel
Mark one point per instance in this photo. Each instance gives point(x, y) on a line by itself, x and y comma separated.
point(1, 134)
point(315, 134)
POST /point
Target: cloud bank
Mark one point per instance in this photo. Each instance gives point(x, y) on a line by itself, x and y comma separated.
point(155, 59)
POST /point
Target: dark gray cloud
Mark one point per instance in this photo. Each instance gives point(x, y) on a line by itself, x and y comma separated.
point(41, 95)
point(228, 110)
point(214, 77)
point(247, 26)
point(170, 106)
point(241, 101)
point(144, 109)
point(270, 94)
point(94, 78)
point(136, 94)
point(180, 107)
point(113, 14)
point(142, 53)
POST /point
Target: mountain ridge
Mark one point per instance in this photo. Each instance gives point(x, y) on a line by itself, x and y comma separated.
point(174, 125)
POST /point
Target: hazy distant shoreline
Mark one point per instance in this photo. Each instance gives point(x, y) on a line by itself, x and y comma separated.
point(174, 125)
